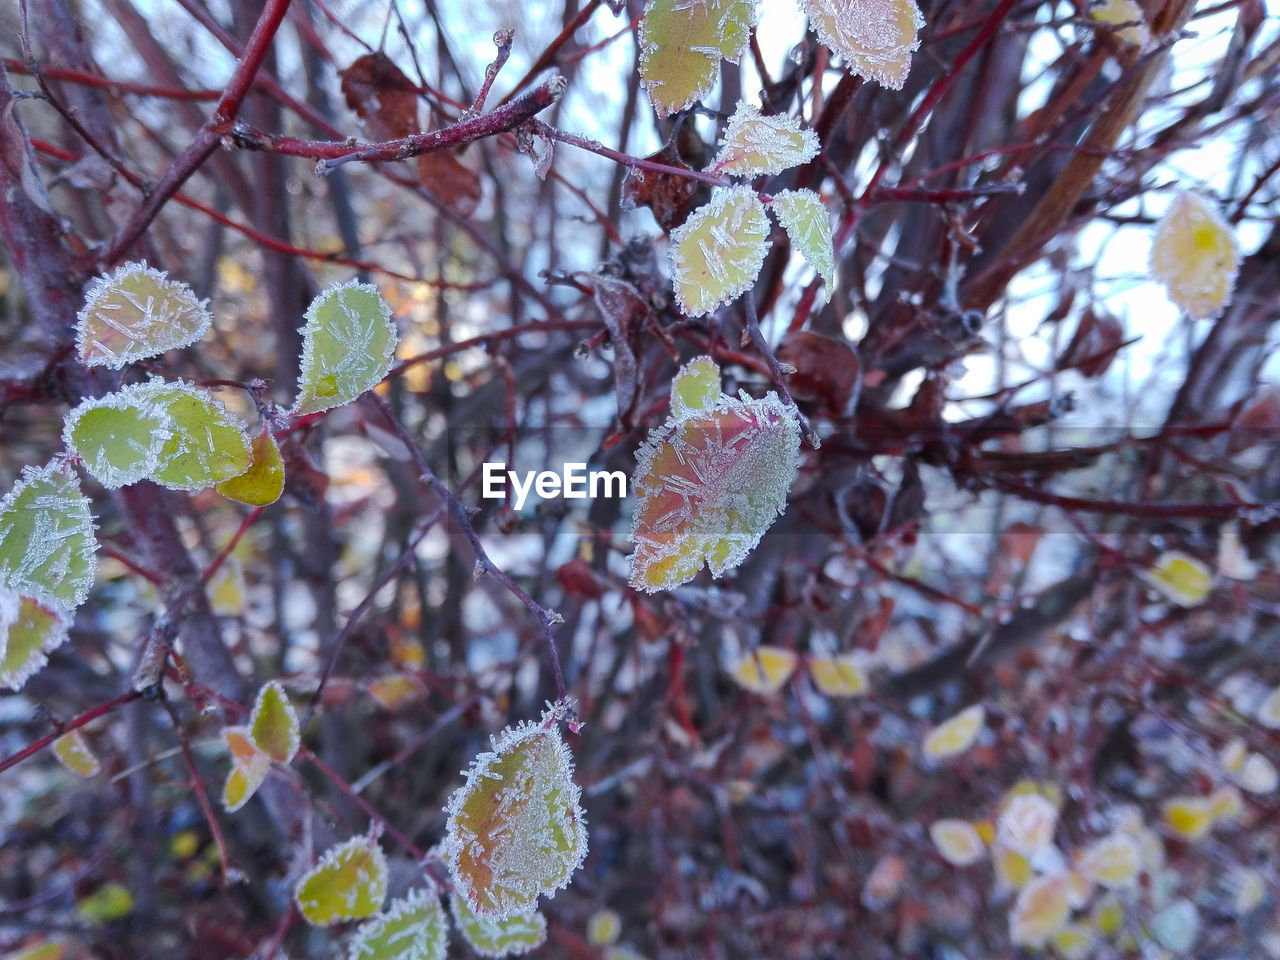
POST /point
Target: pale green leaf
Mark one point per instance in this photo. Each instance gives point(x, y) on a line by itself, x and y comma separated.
point(696, 388)
point(348, 344)
point(349, 883)
point(207, 444)
point(274, 724)
point(46, 537)
point(411, 928)
point(875, 37)
point(682, 44)
point(509, 937)
point(755, 144)
point(73, 752)
point(717, 253)
point(29, 630)
point(118, 437)
point(804, 217)
point(137, 312)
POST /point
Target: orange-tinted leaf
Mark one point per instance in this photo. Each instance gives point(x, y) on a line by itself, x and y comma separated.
point(1041, 910)
point(381, 96)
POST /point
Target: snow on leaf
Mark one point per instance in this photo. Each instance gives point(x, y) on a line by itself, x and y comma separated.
point(765, 669)
point(137, 312)
point(118, 437)
point(249, 767)
point(1195, 255)
point(755, 144)
point(349, 883)
point(1180, 578)
point(509, 937)
point(263, 482)
point(515, 830)
point(1188, 818)
point(957, 841)
point(876, 37)
point(46, 537)
point(955, 735)
point(1268, 712)
point(1041, 910)
point(709, 486)
point(717, 253)
point(348, 344)
point(696, 388)
point(207, 444)
point(682, 43)
point(1026, 824)
point(74, 753)
point(804, 217)
point(273, 724)
point(1117, 12)
point(31, 629)
point(1114, 861)
point(411, 928)
point(840, 676)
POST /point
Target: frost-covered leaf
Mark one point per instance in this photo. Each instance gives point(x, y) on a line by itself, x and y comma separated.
point(249, 767)
point(1181, 578)
point(1041, 910)
point(876, 37)
point(1249, 887)
point(957, 841)
point(46, 537)
point(1013, 870)
point(1026, 824)
point(509, 937)
point(206, 444)
point(349, 883)
point(717, 253)
point(955, 735)
point(763, 670)
point(1177, 926)
point(411, 928)
point(31, 629)
point(682, 43)
point(696, 388)
point(137, 312)
point(273, 724)
point(755, 144)
point(74, 753)
point(119, 437)
point(1127, 12)
point(1113, 861)
point(348, 344)
point(804, 217)
point(709, 486)
point(603, 928)
point(1195, 255)
point(1188, 818)
point(841, 676)
point(1257, 774)
point(515, 830)
point(1268, 712)
point(263, 482)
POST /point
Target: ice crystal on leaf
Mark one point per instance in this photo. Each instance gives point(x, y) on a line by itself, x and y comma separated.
point(348, 344)
point(118, 437)
point(263, 482)
point(74, 753)
point(1195, 255)
point(717, 253)
point(29, 630)
point(696, 388)
point(876, 37)
point(1041, 910)
point(46, 537)
point(515, 830)
point(841, 676)
point(804, 217)
point(957, 841)
point(138, 312)
point(710, 483)
point(755, 144)
point(349, 883)
point(509, 937)
point(682, 43)
point(763, 670)
point(956, 735)
point(249, 767)
point(206, 444)
point(273, 724)
point(411, 928)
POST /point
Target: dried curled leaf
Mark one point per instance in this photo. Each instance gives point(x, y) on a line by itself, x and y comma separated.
point(710, 483)
point(349, 883)
point(1195, 255)
point(765, 669)
point(411, 928)
point(509, 937)
point(876, 37)
point(47, 544)
point(755, 144)
point(274, 725)
point(119, 437)
point(137, 312)
point(263, 482)
point(956, 735)
point(804, 217)
point(348, 344)
point(73, 752)
point(515, 830)
point(717, 253)
point(29, 630)
point(682, 43)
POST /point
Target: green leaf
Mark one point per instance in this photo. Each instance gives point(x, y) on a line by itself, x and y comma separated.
point(754, 144)
point(682, 43)
point(136, 312)
point(29, 630)
point(274, 725)
point(696, 388)
point(515, 829)
point(717, 253)
point(118, 437)
point(73, 752)
point(508, 937)
point(207, 444)
point(876, 37)
point(804, 217)
point(348, 344)
point(263, 482)
point(109, 902)
point(412, 928)
point(1195, 255)
point(46, 537)
point(349, 883)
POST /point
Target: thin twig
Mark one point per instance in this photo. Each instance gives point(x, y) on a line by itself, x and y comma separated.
point(775, 368)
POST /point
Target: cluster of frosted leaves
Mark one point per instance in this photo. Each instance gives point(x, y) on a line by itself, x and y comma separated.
point(348, 344)
point(411, 928)
point(717, 253)
point(875, 37)
point(272, 735)
point(263, 482)
point(755, 144)
point(682, 43)
point(710, 481)
point(956, 735)
point(509, 937)
point(804, 216)
point(137, 312)
point(515, 830)
point(1195, 255)
point(73, 752)
point(29, 630)
point(348, 883)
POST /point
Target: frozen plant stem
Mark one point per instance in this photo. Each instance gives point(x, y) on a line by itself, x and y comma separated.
point(779, 378)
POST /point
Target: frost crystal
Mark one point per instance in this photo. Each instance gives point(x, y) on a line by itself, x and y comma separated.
point(349, 883)
point(876, 37)
point(207, 444)
point(717, 253)
point(509, 937)
point(1195, 255)
point(412, 928)
point(119, 437)
point(754, 144)
point(137, 312)
point(348, 343)
point(46, 537)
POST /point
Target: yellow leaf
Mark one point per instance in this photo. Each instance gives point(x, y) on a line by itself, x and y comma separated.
point(1195, 255)
point(1074, 942)
point(957, 841)
point(1041, 910)
point(393, 690)
point(1116, 12)
point(43, 951)
point(508, 937)
point(603, 928)
point(1188, 818)
point(1013, 870)
point(263, 482)
point(1181, 578)
point(1113, 861)
point(1108, 915)
point(763, 670)
point(956, 735)
point(226, 589)
point(411, 928)
point(109, 902)
point(349, 883)
point(73, 752)
point(249, 767)
point(876, 37)
point(136, 312)
point(841, 676)
point(754, 144)
point(695, 389)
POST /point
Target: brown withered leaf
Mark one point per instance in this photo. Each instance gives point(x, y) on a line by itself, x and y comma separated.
point(669, 196)
point(1094, 345)
point(623, 311)
point(826, 371)
point(450, 181)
